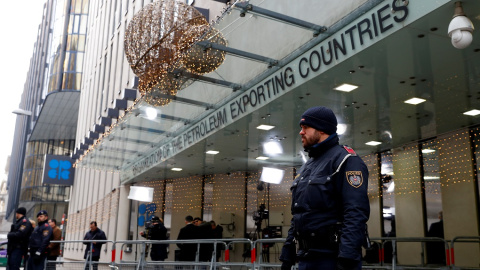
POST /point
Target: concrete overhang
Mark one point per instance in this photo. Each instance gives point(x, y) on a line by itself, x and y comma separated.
point(58, 117)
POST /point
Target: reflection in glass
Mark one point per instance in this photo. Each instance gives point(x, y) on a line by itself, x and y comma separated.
point(388, 190)
point(431, 178)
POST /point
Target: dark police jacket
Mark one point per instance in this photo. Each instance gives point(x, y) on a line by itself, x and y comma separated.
point(19, 234)
point(94, 235)
point(40, 238)
point(329, 200)
point(188, 251)
point(158, 232)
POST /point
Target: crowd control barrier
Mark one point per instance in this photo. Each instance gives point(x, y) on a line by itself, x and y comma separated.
point(463, 239)
point(253, 249)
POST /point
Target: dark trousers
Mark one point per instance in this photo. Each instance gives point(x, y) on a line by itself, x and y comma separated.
point(51, 265)
point(95, 260)
point(14, 260)
point(36, 262)
point(325, 263)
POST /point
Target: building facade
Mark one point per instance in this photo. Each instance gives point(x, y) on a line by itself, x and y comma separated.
point(203, 153)
point(49, 110)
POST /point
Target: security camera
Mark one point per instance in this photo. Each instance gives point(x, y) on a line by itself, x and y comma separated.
point(460, 28)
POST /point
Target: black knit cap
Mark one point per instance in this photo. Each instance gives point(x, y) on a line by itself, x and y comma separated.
point(22, 210)
point(42, 212)
point(320, 118)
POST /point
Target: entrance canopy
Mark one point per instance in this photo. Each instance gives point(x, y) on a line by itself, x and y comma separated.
point(278, 67)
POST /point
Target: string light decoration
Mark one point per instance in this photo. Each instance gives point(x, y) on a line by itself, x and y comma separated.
point(407, 170)
point(155, 40)
point(167, 83)
point(157, 186)
point(454, 159)
point(197, 59)
point(102, 211)
point(372, 163)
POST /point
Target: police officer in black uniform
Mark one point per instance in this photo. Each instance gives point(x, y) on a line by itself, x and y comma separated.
point(18, 239)
point(330, 204)
point(39, 241)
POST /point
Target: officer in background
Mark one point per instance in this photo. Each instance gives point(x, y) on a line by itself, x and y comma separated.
point(156, 231)
point(330, 205)
point(18, 236)
point(39, 241)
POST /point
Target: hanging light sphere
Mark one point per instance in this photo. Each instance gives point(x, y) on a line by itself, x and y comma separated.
point(167, 84)
point(197, 59)
point(152, 37)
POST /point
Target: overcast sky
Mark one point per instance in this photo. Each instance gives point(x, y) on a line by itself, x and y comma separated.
point(18, 31)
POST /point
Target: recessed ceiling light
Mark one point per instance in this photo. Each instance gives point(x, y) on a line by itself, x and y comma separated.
point(427, 151)
point(176, 169)
point(373, 143)
point(262, 158)
point(472, 112)
point(346, 87)
point(212, 152)
point(265, 127)
point(415, 101)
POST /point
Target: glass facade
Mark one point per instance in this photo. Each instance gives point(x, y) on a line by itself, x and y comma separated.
point(66, 64)
point(32, 187)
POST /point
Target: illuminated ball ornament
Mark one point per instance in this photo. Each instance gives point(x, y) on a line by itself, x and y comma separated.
point(152, 39)
point(197, 59)
point(168, 84)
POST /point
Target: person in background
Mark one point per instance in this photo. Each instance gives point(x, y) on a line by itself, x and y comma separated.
point(217, 234)
point(18, 236)
point(190, 231)
point(204, 231)
point(436, 250)
point(94, 234)
point(39, 241)
point(54, 248)
point(156, 231)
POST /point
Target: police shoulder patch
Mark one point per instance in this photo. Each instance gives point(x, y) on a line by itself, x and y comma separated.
point(354, 178)
point(22, 227)
point(45, 232)
point(350, 150)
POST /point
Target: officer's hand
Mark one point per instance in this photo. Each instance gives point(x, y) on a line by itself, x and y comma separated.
point(37, 257)
point(286, 266)
point(346, 264)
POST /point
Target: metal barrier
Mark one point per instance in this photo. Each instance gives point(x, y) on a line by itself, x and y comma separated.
point(142, 246)
point(255, 262)
point(87, 263)
point(260, 264)
point(463, 239)
point(395, 240)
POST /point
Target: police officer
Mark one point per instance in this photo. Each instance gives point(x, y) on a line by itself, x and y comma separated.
point(18, 239)
point(157, 231)
point(39, 241)
point(330, 205)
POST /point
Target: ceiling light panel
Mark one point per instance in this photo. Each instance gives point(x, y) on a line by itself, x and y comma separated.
point(346, 87)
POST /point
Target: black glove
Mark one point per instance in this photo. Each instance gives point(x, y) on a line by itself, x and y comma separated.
point(286, 266)
point(37, 258)
point(346, 264)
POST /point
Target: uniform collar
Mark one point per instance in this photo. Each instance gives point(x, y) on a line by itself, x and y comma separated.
point(319, 148)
